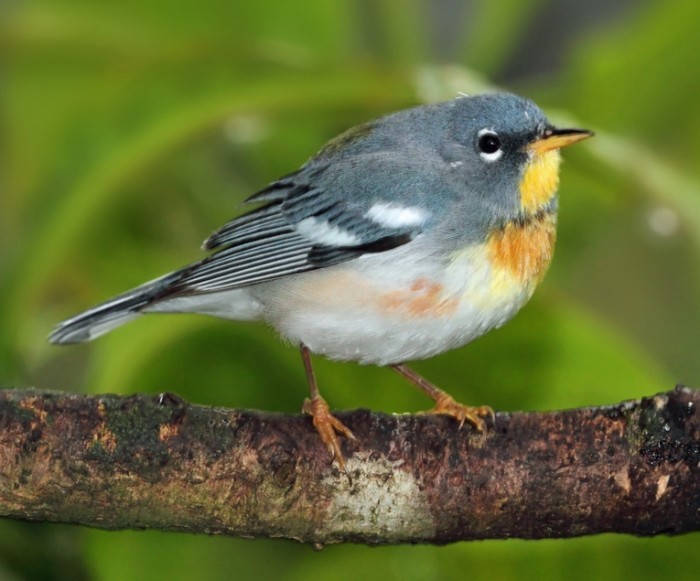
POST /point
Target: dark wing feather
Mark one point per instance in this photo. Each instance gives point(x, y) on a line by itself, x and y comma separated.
point(269, 242)
point(235, 267)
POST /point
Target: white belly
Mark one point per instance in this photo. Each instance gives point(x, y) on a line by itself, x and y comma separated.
point(393, 308)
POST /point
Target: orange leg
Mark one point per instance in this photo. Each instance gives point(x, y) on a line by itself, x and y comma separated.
point(325, 423)
point(444, 402)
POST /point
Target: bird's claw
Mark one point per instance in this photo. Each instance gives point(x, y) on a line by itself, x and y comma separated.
point(446, 404)
point(328, 426)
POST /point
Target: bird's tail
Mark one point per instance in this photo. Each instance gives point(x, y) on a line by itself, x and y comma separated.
point(111, 314)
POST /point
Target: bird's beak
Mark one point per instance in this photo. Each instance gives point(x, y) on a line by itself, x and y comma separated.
point(558, 138)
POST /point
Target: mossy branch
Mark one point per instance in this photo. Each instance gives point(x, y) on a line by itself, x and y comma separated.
point(159, 462)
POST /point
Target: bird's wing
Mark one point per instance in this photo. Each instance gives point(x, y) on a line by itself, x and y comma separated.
point(317, 217)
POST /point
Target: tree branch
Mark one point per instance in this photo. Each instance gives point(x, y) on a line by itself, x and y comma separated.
point(159, 462)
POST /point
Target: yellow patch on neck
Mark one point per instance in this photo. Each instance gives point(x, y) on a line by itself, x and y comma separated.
point(540, 181)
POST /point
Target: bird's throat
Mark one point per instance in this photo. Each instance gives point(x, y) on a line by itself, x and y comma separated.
point(540, 181)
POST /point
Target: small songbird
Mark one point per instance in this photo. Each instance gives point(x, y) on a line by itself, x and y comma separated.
point(402, 238)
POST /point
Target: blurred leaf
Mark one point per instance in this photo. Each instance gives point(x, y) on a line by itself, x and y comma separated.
point(638, 79)
point(173, 556)
point(32, 551)
point(400, 33)
point(495, 31)
point(658, 178)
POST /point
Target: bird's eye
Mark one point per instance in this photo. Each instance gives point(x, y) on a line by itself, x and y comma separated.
point(489, 145)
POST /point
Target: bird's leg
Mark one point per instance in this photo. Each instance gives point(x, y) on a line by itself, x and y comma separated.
point(444, 402)
point(325, 423)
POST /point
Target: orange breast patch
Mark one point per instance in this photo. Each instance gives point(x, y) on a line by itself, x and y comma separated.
point(524, 250)
point(422, 299)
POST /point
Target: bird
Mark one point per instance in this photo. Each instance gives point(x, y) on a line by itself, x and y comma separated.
point(402, 238)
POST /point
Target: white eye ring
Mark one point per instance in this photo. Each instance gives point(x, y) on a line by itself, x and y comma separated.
point(489, 145)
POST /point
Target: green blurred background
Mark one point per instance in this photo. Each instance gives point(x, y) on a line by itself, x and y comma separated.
point(130, 130)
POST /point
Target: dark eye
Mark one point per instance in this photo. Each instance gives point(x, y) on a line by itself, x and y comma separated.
point(488, 143)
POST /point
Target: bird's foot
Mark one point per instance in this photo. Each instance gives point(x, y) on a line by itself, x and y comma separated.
point(328, 426)
point(446, 404)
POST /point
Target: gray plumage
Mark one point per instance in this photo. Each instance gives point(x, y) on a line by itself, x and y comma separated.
point(423, 159)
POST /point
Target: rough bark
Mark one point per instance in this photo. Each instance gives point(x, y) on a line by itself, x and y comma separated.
point(159, 462)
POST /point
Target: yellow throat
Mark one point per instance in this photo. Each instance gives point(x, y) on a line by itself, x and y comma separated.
point(540, 180)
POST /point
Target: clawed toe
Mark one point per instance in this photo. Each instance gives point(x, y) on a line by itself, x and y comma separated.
point(445, 404)
point(328, 426)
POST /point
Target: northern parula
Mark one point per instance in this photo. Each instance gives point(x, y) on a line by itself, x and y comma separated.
point(402, 238)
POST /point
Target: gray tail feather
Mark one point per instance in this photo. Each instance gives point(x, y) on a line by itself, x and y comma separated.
point(111, 314)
